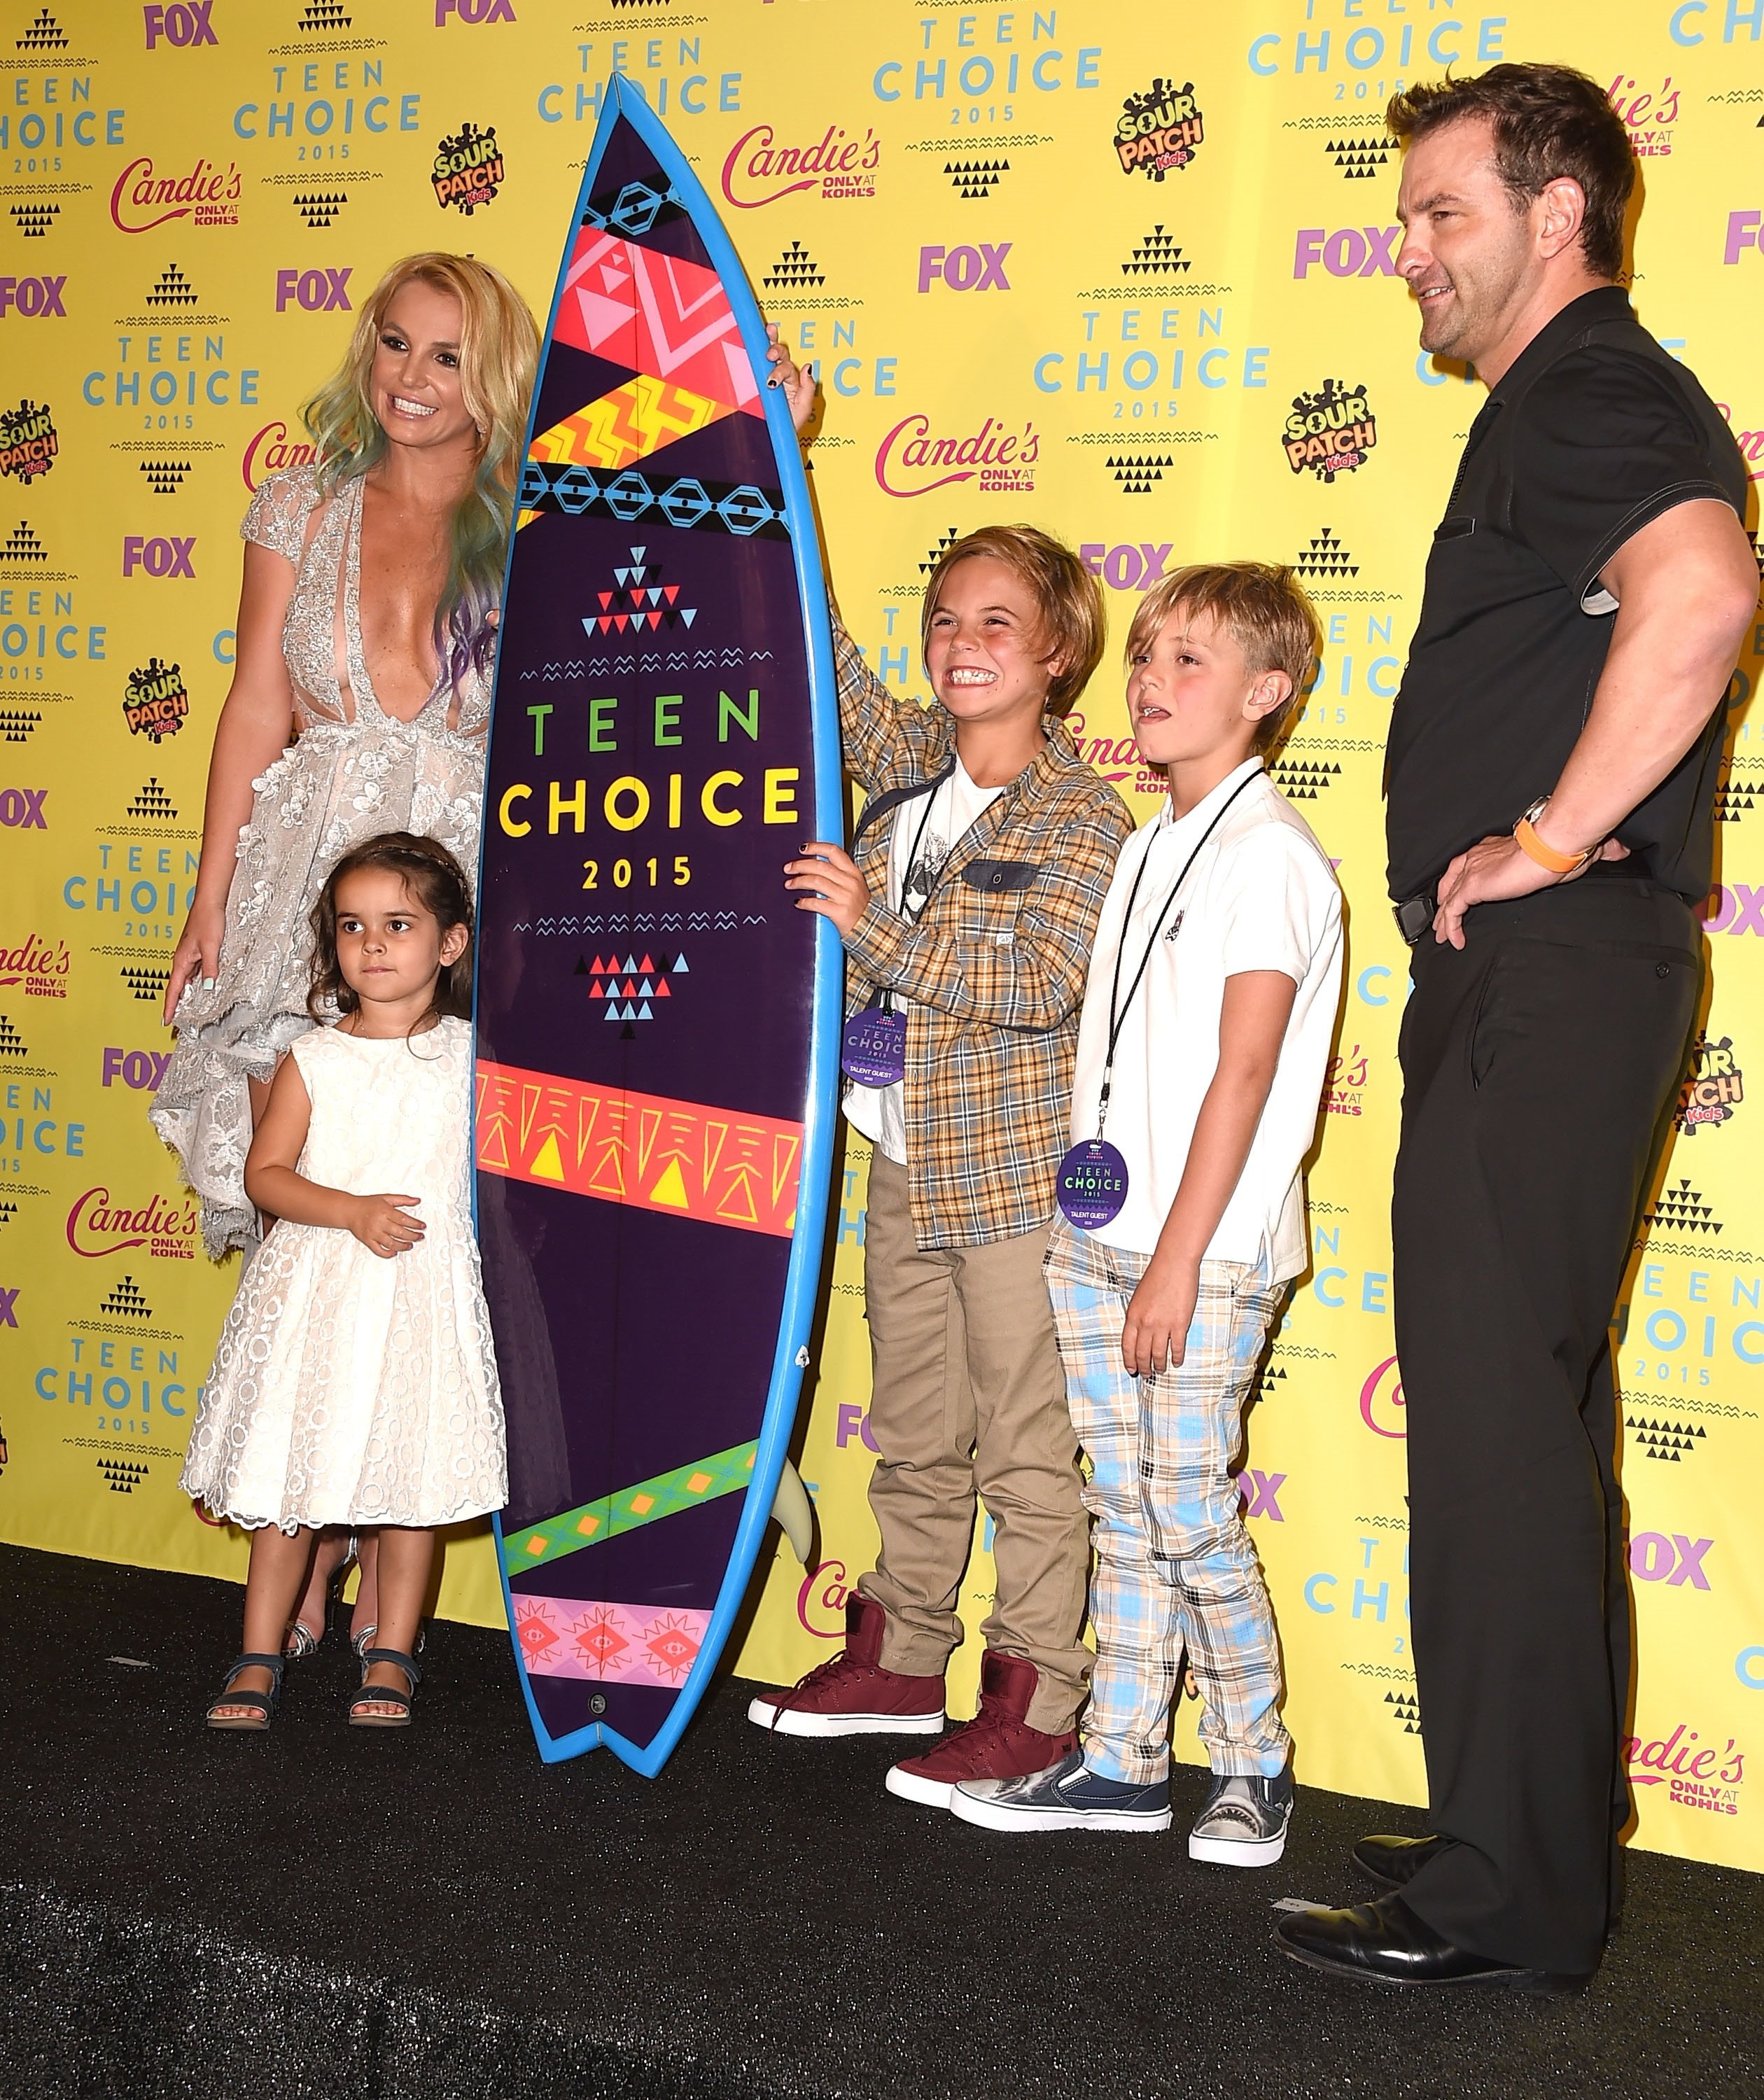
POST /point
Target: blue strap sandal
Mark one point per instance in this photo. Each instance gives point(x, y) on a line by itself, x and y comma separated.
point(263, 1702)
point(383, 1695)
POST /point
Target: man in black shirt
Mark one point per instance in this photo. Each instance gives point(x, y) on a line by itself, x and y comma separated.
point(1552, 764)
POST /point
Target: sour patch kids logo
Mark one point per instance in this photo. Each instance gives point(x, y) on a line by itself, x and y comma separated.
point(1331, 431)
point(28, 441)
point(154, 701)
point(1159, 129)
point(468, 170)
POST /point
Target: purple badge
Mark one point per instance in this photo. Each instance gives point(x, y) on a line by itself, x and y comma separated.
point(1092, 1183)
point(873, 1050)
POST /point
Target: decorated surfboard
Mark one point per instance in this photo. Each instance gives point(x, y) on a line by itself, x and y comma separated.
point(657, 1024)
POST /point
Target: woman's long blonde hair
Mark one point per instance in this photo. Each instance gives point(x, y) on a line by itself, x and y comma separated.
point(499, 354)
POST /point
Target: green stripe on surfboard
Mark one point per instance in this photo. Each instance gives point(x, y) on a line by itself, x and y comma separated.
point(724, 1473)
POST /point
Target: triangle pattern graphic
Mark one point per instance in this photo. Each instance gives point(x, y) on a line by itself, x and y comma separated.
point(657, 314)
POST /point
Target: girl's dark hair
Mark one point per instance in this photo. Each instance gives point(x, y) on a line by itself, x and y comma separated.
point(432, 876)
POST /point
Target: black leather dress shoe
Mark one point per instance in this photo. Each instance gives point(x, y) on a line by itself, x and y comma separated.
point(1394, 1862)
point(1386, 1942)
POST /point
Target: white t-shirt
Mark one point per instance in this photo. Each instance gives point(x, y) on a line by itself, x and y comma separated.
point(1261, 896)
point(879, 1112)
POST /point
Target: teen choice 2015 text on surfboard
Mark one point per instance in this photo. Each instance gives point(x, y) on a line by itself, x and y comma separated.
point(656, 1024)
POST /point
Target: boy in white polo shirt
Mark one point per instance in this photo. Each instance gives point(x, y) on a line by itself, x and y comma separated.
point(1210, 1002)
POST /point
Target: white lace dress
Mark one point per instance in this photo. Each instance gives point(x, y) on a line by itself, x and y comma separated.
point(352, 772)
point(349, 1389)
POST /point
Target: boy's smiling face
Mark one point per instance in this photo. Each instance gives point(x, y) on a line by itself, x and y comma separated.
point(986, 652)
point(1193, 696)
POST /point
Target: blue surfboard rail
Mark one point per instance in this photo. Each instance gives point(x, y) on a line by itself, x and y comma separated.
point(623, 102)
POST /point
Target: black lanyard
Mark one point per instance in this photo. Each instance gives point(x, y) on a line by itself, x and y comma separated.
point(1118, 1014)
point(886, 1001)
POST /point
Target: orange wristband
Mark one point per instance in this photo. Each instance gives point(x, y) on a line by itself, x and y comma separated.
point(1525, 837)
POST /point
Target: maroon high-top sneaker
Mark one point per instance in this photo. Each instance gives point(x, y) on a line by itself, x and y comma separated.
point(853, 1695)
point(997, 1744)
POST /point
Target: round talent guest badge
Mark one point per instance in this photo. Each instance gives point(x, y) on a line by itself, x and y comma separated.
point(873, 1049)
point(1092, 1184)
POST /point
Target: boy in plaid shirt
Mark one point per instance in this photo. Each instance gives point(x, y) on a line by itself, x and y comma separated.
point(1207, 1021)
point(967, 906)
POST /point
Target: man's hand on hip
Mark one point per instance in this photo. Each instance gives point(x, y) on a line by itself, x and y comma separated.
point(1495, 869)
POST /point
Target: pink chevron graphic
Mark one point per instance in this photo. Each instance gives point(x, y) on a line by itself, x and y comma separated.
point(656, 314)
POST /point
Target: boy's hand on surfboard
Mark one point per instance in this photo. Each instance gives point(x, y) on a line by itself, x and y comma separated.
point(797, 383)
point(828, 881)
point(387, 1225)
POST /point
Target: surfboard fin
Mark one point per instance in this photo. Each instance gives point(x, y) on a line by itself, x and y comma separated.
point(795, 1512)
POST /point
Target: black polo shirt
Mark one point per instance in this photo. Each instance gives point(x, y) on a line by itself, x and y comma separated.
point(1595, 432)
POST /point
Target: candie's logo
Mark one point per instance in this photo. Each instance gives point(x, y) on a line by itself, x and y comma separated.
point(1344, 1088)
point(1159, 129)
point(1114, 758)
point(41, 966)
point(821, 1601)
point(154, 702)
point(97, 1225)
point(1381, 1400)
point(1705, 1778)
point(207, 196)
point(1751, 445)
point(1648, 117)
point(1714, 1088)
point(467, 170)
point(270, 450)
point(1331, 431)
point(29, 443)
point(36, 298)
point(757, 170)
point(912, 460)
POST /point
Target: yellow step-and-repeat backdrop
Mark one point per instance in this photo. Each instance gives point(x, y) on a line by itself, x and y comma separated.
point(1121, 269)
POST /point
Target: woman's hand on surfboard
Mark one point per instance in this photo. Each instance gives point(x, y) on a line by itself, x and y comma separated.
point(797, 381)
point(828, 881)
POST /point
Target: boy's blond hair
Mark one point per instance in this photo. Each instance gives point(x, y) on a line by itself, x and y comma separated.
point(1069, 598)
point(1261, 605)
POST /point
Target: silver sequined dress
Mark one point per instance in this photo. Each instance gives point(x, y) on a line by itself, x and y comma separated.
point(352, 772)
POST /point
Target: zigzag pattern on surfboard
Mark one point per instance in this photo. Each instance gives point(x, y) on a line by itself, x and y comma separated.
point(645, 922)
point(676, 659)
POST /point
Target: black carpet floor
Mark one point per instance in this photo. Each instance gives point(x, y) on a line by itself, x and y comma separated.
point(322, 1910)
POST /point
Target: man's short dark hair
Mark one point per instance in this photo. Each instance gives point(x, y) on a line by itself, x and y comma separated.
point(1549, 121)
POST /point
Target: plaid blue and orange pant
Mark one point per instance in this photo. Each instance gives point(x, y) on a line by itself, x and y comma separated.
point(1175, 1570)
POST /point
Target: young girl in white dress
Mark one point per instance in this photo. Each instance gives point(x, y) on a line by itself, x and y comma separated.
point(355, 1383)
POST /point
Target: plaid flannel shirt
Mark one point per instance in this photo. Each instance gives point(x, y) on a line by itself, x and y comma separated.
point(994, 968)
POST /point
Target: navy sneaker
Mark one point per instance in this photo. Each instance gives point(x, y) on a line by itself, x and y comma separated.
point(1065, 1796)
point(1244, 1822)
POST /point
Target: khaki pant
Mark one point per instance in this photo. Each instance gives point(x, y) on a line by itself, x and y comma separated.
point(969, 1396)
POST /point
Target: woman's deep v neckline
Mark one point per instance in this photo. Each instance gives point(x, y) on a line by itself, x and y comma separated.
point(351, 672)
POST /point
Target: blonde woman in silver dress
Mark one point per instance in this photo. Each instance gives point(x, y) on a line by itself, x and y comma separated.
point(360, 700)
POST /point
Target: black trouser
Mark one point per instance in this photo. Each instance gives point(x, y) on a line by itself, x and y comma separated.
point(1539, 1067)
